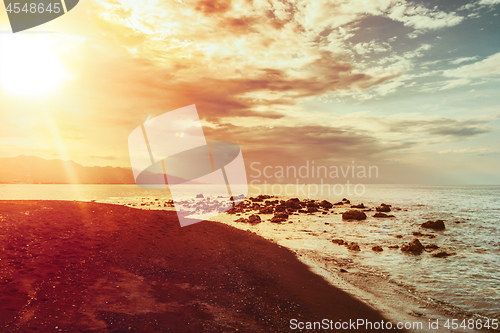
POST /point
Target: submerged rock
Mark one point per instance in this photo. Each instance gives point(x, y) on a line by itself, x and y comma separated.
point(436, 225)
point(442, 254)
point(431, 247)
point(393, 246)
point(338, 241)
point(361, 205)
point(383, 215)
point(353, 246)
point(377, 248)
point(414, 247)
point(354, 215)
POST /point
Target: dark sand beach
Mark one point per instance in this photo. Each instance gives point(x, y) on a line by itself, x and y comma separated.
point(89, 267)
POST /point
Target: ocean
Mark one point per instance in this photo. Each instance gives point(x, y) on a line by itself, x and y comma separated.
point(468, 281)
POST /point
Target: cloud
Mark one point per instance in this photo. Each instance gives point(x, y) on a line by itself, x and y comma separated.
point(489, 2)
point(462, 60)
point(422, 18)
point(454, 84)
point(484, 68)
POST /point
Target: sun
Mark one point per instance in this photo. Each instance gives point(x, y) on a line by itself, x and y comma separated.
point(29, 66)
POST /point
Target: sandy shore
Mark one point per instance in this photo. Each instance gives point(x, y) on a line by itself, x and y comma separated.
point(84, 267)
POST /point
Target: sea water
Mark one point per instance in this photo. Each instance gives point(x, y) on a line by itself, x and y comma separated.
point(469, 279)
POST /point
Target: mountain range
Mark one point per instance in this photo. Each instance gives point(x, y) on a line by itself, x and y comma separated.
point(35, 170)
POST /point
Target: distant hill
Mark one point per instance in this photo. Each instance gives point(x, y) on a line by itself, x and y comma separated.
point(36, 170)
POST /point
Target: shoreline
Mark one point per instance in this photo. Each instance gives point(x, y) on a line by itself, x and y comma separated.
point(395, 300)
point(101, 267)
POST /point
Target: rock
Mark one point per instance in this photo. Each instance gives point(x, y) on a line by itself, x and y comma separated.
point(343, 271)
point(340, 203)
point(255, 207)
point(293, 203)
point(312, 209)
point(393, 246)
point(383, 215)
point(346, 201)
point(353, 246)
point(399, 236)
point(377, 248)
point(280, 208)
point(358, 206)
point(436, 225)
point(384, 208)
point(266, 210)
point(442, 254)
point(324, 213)
point(199, 196)
point(414, 247)
point(279, 217)
point(431, 247)
point(242, 219)
point(254, 219)
point(326, 204)
point(354, 215)
point(419, 234)
point(338, 241)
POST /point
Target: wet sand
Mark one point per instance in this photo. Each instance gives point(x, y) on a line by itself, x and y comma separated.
point(89, 267)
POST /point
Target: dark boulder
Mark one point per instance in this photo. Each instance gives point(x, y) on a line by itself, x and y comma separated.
point(312, 209)
point(436, 225)
point(266, 210)
point(354, 215)
point(279, 217)
point(384, 208)
point(254, 219)
point(326, 204)
point(414, 247)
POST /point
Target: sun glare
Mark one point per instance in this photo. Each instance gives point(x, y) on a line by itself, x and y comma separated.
point(29, 66)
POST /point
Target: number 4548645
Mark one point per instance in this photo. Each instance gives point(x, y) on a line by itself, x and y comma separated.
point(34, 8)
point(471, 324)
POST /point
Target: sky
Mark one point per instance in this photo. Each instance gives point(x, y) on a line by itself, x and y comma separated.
point(410, 87)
